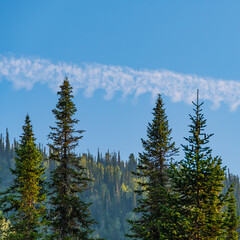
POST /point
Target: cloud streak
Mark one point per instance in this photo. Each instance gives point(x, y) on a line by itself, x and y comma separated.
point(24, 72)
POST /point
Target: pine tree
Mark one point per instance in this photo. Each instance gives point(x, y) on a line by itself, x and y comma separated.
point(198, 181)
point(69, 215)
point(24, 200)
point(159, 150)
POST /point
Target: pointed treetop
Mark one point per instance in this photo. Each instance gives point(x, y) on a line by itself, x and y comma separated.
point(197, 95)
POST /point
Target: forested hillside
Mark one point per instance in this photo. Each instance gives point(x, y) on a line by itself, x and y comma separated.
point(111, 192)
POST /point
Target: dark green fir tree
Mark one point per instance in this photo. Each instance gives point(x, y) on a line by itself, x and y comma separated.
point(23, 202)
point(69, 214)
point(198, 182)
point(153, 192)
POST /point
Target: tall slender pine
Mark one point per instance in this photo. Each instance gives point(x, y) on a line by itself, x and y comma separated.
point(24, 200)
point(159, 150)
point(69, 215)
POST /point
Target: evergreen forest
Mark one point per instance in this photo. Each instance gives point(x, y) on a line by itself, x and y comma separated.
point(112, 191)
point(52, 192)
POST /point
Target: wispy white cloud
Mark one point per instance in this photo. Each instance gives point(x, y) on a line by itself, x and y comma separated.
point(25, 72)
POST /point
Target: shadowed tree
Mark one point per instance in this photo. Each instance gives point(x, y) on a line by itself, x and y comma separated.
point(69, 214)
point(159, 150)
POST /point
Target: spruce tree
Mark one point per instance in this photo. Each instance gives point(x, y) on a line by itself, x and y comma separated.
point(69, 214)
point(24, 200)
point(198, 183)
point(159, 150)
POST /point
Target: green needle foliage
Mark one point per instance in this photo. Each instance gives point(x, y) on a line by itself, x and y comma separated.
point(231, 219)
point(24, 200)
point(4, 227)
point(69, 215)
point(153, 192)
point(198, 182)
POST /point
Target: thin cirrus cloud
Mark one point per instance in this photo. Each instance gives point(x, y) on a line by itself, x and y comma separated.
point(24, 72)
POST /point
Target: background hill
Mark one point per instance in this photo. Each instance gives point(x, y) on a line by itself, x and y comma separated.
point(111, 191)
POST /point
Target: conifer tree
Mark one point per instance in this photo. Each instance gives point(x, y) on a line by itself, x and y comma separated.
point(198, 181)
point(159, 150)
point(69, 215)
point(24, 200)
point(231, 219)
point(7, 146)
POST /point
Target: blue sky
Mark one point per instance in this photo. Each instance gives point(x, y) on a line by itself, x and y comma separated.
point(118, 55)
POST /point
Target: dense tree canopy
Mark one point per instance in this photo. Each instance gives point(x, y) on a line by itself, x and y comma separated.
point(162, 199)
point(112, 201)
